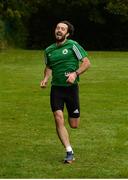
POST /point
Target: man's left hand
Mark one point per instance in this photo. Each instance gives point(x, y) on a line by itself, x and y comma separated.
point(71, 77)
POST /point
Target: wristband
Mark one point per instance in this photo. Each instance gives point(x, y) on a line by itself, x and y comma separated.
point(77, 73)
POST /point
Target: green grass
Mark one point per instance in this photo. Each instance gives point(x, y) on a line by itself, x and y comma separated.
point(29, 146)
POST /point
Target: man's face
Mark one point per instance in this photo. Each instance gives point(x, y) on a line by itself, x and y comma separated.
point(61, 32)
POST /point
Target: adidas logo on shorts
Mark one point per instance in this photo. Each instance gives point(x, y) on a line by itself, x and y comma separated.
point(76, 111)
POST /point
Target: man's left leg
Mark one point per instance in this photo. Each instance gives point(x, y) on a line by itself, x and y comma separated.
point(73, 107)
point(74, 122)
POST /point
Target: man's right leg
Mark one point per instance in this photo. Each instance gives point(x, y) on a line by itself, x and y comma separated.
point(57, 106)
point(61, 129)
point(63, 134)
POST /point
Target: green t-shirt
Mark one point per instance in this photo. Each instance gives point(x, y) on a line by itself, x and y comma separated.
point(63, 59)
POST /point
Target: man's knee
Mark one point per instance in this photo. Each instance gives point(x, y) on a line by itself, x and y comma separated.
point(74, 122)
point(59, 119)
point(74, 126)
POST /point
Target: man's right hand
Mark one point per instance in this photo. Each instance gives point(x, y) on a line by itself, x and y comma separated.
point(43, 84)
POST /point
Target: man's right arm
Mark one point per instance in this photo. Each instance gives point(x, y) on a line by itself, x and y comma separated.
point(47, 74)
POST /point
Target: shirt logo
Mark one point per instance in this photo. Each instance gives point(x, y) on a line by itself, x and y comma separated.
point(65, 51)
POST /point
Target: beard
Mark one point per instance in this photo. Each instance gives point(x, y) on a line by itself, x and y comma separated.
point(59, 37)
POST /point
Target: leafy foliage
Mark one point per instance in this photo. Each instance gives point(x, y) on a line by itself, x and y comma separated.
point(118, 7)
point(29, 23)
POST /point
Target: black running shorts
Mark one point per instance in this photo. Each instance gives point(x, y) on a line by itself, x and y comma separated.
point(69, 96)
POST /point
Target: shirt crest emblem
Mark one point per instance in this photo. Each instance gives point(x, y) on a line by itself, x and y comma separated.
point(65, 51)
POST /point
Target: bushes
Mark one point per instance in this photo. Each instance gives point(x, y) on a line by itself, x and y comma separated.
point(12, 29)
point(3, 42)
point(100, 25)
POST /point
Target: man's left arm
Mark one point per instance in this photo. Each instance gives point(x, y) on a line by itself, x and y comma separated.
point(83, 67)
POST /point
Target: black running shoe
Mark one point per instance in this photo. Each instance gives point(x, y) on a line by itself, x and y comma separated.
point(69, 157)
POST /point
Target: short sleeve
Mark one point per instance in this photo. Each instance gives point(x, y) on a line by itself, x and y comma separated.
point(46, 59)
point(79, 51)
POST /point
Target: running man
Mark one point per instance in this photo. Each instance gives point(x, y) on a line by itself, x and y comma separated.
point(62, 62)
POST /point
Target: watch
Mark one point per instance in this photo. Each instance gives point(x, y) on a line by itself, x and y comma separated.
point(77, 73)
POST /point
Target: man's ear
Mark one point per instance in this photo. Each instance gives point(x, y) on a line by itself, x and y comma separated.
point(67, 35)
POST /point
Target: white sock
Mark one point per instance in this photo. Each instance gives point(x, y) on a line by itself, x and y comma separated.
point(69, 148)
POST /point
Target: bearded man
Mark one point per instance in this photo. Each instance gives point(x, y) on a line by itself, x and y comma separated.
point(62, 61)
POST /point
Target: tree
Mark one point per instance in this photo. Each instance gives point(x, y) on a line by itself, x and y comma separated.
point(99, 24)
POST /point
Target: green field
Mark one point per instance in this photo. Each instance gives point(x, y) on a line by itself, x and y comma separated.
point(29, 146)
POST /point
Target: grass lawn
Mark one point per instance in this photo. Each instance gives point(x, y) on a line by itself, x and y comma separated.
point(29, 146)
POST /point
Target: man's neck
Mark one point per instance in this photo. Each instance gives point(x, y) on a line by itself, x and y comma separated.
point(61, 42)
